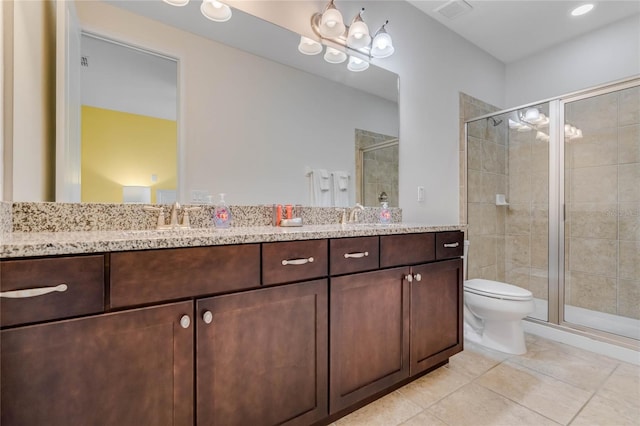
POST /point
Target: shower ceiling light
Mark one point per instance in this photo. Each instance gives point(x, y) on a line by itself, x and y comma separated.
point(581, 10)
point(353, 41)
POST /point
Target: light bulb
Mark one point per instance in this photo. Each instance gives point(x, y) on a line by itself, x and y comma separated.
point(331, 23)
point(382, 46)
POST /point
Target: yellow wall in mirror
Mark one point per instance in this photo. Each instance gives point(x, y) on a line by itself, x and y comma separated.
point(120, 149)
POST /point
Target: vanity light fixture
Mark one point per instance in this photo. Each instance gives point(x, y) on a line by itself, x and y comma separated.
point(358, 36)
point(308, 46)
point(382, 45)
point(211, 9)
point(356, 64)
point(215, 10)
point(177, 2)
point(331, 22)
point(354, 41)
point(334, 56)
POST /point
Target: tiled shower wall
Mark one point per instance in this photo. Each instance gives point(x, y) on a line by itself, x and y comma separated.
point(602, 190)
point(486, 169)
point(527, 215)
point(379, 169)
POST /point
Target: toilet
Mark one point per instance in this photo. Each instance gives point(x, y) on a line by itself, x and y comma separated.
point(493, 312)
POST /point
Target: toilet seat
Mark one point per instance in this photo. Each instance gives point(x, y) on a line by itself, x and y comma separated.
point(497, 290)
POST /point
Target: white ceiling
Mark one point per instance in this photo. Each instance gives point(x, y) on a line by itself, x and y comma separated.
point(514, 29)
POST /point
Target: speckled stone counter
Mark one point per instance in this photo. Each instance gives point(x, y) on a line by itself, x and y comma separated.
point(28, 244)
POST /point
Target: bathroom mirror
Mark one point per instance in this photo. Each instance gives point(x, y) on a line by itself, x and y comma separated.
point(254, 115)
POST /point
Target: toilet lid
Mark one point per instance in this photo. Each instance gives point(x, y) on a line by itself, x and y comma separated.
point(497, 289)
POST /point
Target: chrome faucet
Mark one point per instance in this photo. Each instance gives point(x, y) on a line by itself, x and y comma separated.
point(353, 214)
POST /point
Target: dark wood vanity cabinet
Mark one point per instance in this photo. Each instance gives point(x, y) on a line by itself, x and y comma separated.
point(369, 329)
point(261, 356)
point(127, 368)
point(286, 333)
point(436, 313)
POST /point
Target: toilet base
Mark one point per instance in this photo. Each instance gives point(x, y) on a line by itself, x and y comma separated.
point(504, 336)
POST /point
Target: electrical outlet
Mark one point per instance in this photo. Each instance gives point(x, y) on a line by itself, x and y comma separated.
point(421, 194)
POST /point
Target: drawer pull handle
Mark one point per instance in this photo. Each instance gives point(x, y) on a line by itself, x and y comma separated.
point(185, 321)
point(207, 317)
point(451, 245)
point(33, 292)
point(356, 255)
point(297, 261)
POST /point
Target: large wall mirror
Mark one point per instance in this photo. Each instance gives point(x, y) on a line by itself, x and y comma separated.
point(252, 115)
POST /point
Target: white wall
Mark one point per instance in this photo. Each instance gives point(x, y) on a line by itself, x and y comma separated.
point(250, 125)
point(608, 54)
point(434, 65)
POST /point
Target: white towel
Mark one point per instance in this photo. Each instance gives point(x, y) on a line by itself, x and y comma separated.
point(324, 180)
point(319, 197)
point(340, 189)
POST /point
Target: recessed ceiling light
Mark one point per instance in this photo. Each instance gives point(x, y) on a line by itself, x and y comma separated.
point(581, 10)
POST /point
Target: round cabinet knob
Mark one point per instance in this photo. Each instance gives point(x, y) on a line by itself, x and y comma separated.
point(418, 277)
point(185, 321)
point(207, 317)
point(409, 278)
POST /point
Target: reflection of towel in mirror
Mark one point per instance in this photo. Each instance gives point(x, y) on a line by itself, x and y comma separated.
point(320, 188)
point(340, 189)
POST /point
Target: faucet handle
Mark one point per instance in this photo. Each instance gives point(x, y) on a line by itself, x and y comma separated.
point(343, 220)
point(160, 223)
point(185, 215)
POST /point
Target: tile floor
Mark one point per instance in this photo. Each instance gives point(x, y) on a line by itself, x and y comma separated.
point(552, 384)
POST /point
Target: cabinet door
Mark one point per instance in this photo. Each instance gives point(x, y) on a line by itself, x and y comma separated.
point(436, 313)
point(127, 368)
point(262, 358)
point(369, 329)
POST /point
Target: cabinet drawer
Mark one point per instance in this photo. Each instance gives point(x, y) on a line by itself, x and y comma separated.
point(406, 249)
point(35, 290)
point(348, 255)
point(140, 277)
point(294, 261)
point(449, 244)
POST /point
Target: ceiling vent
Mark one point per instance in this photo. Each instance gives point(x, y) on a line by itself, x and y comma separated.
point(453, 9)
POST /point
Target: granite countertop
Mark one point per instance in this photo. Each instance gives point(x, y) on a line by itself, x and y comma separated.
point(28, 244)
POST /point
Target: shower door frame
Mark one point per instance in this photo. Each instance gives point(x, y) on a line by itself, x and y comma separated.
point(560, 214)
point(557, 208)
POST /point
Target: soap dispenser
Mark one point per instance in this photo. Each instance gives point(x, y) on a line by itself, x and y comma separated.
point(385, 213)
point(222, 214)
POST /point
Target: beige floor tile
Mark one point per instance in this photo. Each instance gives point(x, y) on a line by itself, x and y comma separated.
point(552, 398)
point(424, 419)
point(624, 384)
point(579, 368)
point(474, 405)
point(608, 412)
point(390, 410)
point(429, 389)
point(475, 360)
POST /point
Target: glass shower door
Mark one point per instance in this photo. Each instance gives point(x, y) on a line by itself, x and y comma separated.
point(602, 211)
